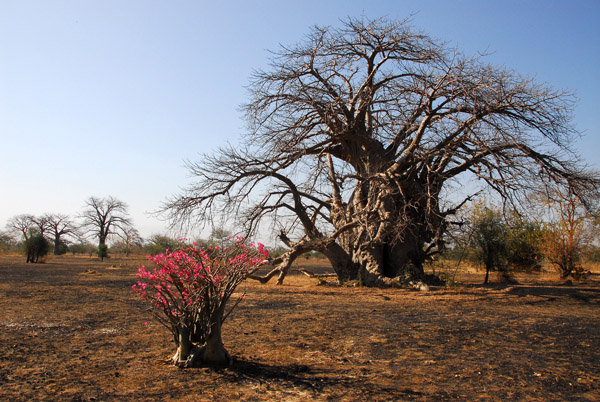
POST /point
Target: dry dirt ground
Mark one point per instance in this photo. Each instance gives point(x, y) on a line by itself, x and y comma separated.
point(71, 329)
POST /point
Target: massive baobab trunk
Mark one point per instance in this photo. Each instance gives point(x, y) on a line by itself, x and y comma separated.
point(357, 136)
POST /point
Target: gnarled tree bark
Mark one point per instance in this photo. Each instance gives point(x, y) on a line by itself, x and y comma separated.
point(357, 136)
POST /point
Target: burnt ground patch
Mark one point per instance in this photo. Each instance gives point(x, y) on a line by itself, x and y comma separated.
point(71, 329)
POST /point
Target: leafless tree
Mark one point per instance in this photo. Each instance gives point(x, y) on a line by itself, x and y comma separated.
point(130, 239)
point(24, 223)
point(570, 228)
point(59, 226)
point(42, 224)
point(7, 241)
point(103, 217)
point(21, 224)
point(357, 136)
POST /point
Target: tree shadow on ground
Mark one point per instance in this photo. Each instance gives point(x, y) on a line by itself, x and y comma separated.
point(552, 292)
point(299, 375)
point(307, 378)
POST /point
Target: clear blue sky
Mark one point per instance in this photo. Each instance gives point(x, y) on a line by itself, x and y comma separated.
point(110, 97)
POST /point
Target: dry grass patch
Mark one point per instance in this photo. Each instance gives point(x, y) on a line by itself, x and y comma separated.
point(70, 336)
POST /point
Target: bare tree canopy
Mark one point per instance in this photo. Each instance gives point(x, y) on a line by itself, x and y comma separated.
point(42, 224)
point(103, 217)
point(356, 135)
point(570, 228)
point(60, 226)
point(54, 226)
point(21, 224)
point(130, 239)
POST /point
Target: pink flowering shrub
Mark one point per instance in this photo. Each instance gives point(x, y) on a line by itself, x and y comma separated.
point(189, 289)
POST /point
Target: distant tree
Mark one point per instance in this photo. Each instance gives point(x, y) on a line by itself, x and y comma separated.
point(220, 237)
point(103, 217)
point(36, 247)
point(489, 237)
point(42, 224)
point(21, 224)
point(130, 240)
point(570, 229)
point(159, 243)
point(83, 248)
point(60, 226)
point(524, 242)
point(7, 241)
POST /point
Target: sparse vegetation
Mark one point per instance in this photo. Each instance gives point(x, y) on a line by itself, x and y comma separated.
point(537, 341)
point(83, 248)
point(357, 136)
point(7, 242)
point(159, 243)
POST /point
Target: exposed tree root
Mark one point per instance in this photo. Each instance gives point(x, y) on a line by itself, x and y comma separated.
point(313, 275)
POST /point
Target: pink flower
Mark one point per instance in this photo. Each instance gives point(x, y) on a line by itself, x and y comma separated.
point(181, 279)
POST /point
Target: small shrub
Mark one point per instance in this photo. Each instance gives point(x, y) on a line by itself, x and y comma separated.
point(160, 243)
point(36, 247)
point(83, 248)
point(61, 249)
point(189, 290)
point(102, 251)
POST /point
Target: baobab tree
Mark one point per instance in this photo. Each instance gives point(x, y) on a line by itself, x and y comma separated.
point(21, 224)
point(59, 226)
point(26, 223)
point(356, 136)
point(42, 224)
point(103, 217)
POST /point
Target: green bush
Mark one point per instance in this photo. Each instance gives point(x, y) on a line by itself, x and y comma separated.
point(102, 251)
point(523, 243)
point(158, 244)
point(36, 247)
point(61, 249)
point(83, 248)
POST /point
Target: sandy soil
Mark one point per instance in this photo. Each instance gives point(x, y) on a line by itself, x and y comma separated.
point(71, 329)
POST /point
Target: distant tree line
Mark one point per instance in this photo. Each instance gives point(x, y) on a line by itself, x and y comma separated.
point(37, 235)
point(101, 219)
point(559, 230)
